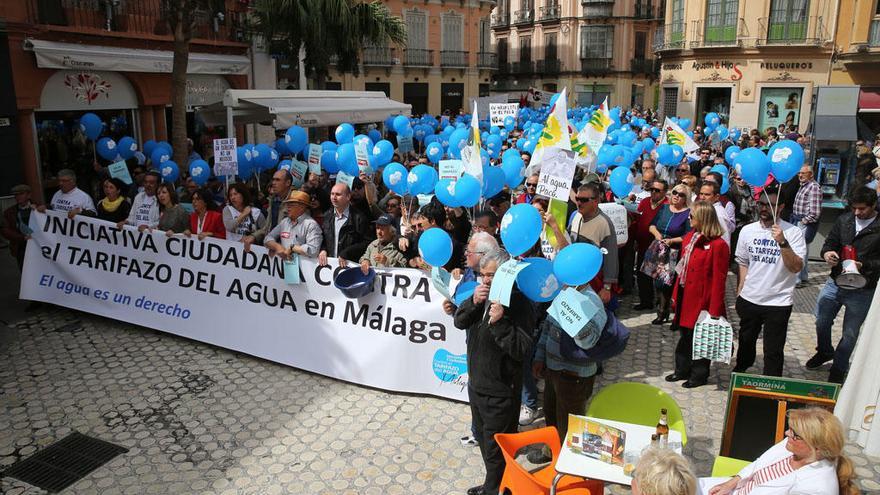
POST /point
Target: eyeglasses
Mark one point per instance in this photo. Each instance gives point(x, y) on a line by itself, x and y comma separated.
point(531, 184)
point(794, 436)
point(584, 200)
point(657, 190)
point(681, 170)
point(679, 194)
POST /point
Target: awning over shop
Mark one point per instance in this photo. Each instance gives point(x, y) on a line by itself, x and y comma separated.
point(869, 100)
point(56, 55)
point(285, 108)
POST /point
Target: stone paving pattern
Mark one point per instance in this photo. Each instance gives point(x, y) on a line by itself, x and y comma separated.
point(201, 419)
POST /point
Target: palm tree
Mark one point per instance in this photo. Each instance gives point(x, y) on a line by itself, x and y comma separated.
point(327, 29)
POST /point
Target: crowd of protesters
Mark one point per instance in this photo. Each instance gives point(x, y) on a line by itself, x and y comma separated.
point(684, 236)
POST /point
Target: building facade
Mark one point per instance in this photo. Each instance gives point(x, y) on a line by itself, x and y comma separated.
point(447, 59)
point(754, 62)
point(594, 48)
point(857, 59)
point(114, 59)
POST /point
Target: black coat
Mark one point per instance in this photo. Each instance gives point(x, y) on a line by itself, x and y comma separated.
point(354, 236)
point(866, 244)
point(495, 353)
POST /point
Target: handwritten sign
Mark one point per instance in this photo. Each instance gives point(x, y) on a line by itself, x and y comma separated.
point(572, 310)
point(404, 143)
point(119, 170)
point(451, 169)
point(315, 152)
point(617, 214)
point(499, 111)
point(556, 175)
point(502, 282)
point(225, 157)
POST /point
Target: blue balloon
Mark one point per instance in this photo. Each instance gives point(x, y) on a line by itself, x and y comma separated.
point(493, 145)
point(246, 162)
point(712, 119)
point(725, 177)
point(435, 246)
point(169, 170)
point(529, 147)
point(722, 132)
point(107, 149)
point(456, 141)
point(609, 155)
point(444, 191)
point(159, 155)
point(493, 181)
point(91, 125)
point(627, 138)
point(344, 133)
point(401, 124)
point(420, 132)
point(509, 123)
point(753, 166)
point(149, 146)
point(730, 154)
point(281, 147)
point(383, 151)
point(200, 171)
point(375, 135)
point(127, 147)
point(621, 181)
point(735, 134)
point(577, 263)
point(261, 156)
point(328, 162)
point(347, 159)
point(421, 179)
point(434, 152)
point(648, 145)
point(467, 191)
point(296, 139)
point(537, 281)
point(512, 164)
point(329, 146)
point(655, 132)
point(786, 159)
point(395, 178)
point(684, 123)
point(285, 165)
point(520, 228)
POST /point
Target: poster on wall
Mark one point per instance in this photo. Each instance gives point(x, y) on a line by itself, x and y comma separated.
point(780, 106)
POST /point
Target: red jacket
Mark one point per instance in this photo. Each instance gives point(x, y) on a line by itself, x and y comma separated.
point(213, 224)
point(705, 282)
point(642, 235)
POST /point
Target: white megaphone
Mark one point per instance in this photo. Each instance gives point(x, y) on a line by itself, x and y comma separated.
point(850, 278)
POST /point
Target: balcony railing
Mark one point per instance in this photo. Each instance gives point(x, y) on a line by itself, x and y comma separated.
point(136, 18)
point(804, 30)
point(522, 67)
point(452, 58)
point(669, 37)
point(503, 67)
point(487, 60)
point(524, 16)
point(647, 66)
point(500, 19)
point(874, 34)
point(378, 56)
point(594, 9)
point(548, 66)
point(595, 66)
point(644, 10)
point(550, 13)
point(418, 58)
point(703, 35)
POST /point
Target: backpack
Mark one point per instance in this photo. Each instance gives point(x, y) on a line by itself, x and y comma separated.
point(611, 343)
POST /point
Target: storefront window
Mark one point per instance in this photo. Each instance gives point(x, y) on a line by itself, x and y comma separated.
point(780, 106)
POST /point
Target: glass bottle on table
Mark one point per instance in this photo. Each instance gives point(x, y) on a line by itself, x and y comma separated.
point(663, 429)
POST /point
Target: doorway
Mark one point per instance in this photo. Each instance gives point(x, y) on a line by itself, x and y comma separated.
point(416, 94)
point(451, 97)
point(713, 100)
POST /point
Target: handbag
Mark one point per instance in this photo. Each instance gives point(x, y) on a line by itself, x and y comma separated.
point(659, 264)
point(713, 339)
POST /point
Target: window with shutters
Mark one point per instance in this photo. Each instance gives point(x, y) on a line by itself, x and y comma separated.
point(676, 31)
point(721, 16)
point(670, 101)
point(788, 21)
point(485, 42)
point(416, 30)
point(452, 35)
point(597, 42)
point(640, 43)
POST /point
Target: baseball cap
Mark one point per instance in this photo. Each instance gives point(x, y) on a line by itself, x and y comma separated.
point(385, 219)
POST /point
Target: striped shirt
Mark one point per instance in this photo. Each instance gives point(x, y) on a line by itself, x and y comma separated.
point(778, 469)
point(808, 202)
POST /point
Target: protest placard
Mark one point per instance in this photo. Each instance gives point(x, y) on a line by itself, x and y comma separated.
point(225, 157)
point(498, 111)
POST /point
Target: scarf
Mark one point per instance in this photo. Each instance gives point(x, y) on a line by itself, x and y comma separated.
point(111, 206)
point(778, 469)
point(681, 268)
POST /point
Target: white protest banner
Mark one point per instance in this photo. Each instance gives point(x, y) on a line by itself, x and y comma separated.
point(225, 157)
point(540, 97)
point(482, 102)
point(617, 214)
point(315, 152)
point(395, 338)
point(450, 169)
point(556, 175)
point(498, 111)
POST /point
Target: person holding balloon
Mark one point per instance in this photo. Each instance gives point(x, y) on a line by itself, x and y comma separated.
point(115, 206)
point(699, 286)
point(173, 218)
point(589, 224)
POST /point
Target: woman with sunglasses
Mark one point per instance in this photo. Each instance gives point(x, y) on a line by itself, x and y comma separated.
point(668, 228)
point(699, 286)
point(809, 460)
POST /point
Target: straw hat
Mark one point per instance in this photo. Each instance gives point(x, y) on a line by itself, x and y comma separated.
point(300, 197)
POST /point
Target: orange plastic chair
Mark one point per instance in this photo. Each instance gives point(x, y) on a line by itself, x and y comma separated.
point(519, 481)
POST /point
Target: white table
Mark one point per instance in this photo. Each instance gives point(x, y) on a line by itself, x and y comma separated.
point(637, 438)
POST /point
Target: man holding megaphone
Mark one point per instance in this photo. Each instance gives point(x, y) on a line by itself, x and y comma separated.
point(852, 248)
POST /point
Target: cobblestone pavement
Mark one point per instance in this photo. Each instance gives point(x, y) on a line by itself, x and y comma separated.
point(201, 419)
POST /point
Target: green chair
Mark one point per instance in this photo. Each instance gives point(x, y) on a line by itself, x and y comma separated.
point(637, 403)
point(727, 466)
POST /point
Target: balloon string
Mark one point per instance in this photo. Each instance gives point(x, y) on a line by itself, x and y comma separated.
point(773, 211)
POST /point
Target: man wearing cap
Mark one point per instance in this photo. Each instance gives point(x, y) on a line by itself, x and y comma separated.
point(15, 222)
point(346, 229)
point(298, 232)
point(383, 251)
point(70, 198)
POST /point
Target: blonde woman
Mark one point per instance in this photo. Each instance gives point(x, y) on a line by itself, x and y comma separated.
point(702, 273)
point(663, 472)
point(809, 460)
point(668, 228)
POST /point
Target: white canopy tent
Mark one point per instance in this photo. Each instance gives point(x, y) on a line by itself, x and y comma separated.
point(285, 108)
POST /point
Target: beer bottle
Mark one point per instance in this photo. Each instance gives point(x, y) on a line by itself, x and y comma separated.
point(663, 429)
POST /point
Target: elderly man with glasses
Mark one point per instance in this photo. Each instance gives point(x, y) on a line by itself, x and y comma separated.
point(806, 210)
point(531, 185)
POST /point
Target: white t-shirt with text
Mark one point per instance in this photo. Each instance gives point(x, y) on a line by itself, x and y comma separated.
point(768, 282)
point(76, 198)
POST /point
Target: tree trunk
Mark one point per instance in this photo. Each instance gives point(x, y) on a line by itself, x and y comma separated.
point(178, 93)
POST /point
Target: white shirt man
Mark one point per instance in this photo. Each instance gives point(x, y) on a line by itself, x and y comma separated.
point(70, 198)
point(145, 208)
